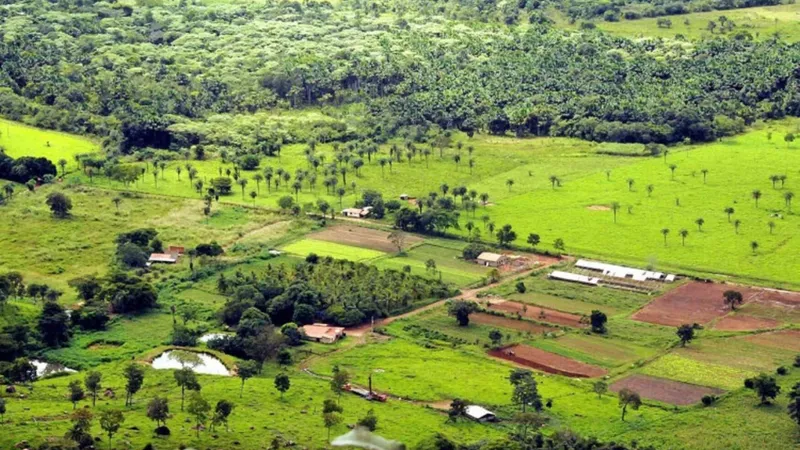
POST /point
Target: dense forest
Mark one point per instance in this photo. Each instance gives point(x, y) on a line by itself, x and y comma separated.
point(156, 75)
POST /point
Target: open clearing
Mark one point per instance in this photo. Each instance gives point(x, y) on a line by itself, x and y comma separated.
point(306, 246)
point(356, 236)
point(22, 140)
point(784, 340)
point(449, 265)
point(547, 362)
point(504, 322)
point(667, 391)
point(693, 302)
point(539, 313)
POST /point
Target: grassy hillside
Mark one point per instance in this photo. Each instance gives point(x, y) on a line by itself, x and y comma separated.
point(22, 140)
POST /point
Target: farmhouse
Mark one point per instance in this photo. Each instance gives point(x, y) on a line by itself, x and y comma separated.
point(480, 414)
point(357, 212)
point(167, 258)
point(491, 259)
point(320, 332)
point(615, 271)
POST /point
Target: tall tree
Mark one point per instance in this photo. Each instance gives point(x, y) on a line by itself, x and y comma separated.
point(628, 397)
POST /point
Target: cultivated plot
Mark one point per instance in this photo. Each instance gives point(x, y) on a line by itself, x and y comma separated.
point(539, 313)
point(547, 362)
point(663, 390)
point(693, 302)
point(307, 246)
point(356, 236)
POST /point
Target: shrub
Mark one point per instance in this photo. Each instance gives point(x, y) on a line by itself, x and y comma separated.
point(708, 400)
point(521, 287)
point(782, 370)
point(796, 361)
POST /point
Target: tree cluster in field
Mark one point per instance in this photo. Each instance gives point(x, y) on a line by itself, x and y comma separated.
point(585, 85)
point(25, 168)
point(323, 289)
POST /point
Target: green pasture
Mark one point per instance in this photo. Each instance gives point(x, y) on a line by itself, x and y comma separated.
point(259, 416)
point(449, 266)
point(761, 22)
point(22, 140)
point(697, 372)
point(53, 251)
point(304, 247)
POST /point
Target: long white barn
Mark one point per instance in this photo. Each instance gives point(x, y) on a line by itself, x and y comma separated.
point(615, 271)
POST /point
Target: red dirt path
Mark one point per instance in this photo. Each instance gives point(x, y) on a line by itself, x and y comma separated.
point(693, 302)
point(535, 313)
point(743, 322)
point(663, 390)
point(521, 325)
point(547, 362)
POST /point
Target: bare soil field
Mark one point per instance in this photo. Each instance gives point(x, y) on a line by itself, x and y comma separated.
point(539, 313)
point(693, 302)
point(787, 340)
point(667, 391)
point(357, 236)
point(521, 325)
point(547, 362)
point(744, 322)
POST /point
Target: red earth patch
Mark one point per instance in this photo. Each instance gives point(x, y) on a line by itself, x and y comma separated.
point(743, 322)
point(547, 362)
point(663, 390)
point(540, 314)
point(694, 302)
point(505, 322)
point(786, 340)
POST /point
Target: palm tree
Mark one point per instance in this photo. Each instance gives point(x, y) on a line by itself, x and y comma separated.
point(754, 246)
point(297, 185)
point(509, 183)
point(608, 175)
point(382, 163)
point(774, 179)
point(162, 165)
point(243, 183)
point(756, 194)
point(341, 192)
point(787, 197)
point(178, 170)
point(485, 219)
point(8, 188)
point(665, 232)
point(650, 188)
point(771, 226)
point(614, 209)
point(672, 168)
point(491, 226)
point(484, 198)
point(444, 188)
point(729, 211)
point(258, 178)
point(471, 165)
point(700, 221)
point(155, 176)
point(116, 201)
point(63, 164)
point(268, 177)
point(553, 180)
point(666, 152)
point(736, 224)
point(457, 159)
point(705, 173)
point(684, 232)
point(630, 184)
point(253, 195)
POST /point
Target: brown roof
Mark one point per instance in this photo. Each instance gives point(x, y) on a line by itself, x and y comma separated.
point(320, 330)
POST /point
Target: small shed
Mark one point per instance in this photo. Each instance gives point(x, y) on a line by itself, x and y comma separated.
point(404, 196)
point(166, 258)
point(480, 414)
point(357, 212)
point(324, 333)
point(491, 259)
point(176, 250)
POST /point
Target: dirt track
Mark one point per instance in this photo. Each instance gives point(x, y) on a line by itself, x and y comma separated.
point(663, 390)
point(547, 362)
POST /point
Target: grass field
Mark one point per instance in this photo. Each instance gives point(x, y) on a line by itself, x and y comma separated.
point(54, 251)
point(304, 247)
point(760, 22)
point(452, 269)
point(21, 140)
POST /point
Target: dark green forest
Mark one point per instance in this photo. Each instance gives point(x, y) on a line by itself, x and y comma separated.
point(149, 74)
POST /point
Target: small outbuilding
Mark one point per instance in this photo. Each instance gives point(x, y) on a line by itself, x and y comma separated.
point(176, 250)
point(491, 259)
point(358, 213)
point(166, 258)
point(324, 333)
point(480, 414)
point(404, 197)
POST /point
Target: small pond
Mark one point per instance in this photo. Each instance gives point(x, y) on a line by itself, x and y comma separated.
point(44, 368)
point(199, 362)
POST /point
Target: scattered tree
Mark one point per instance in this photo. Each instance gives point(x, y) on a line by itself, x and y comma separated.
point(627, 398)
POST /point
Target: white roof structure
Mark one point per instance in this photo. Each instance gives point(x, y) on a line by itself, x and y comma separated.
point(163, 257)
point(621, 271)
point(479, 412)
point(489, 256)
point(568, 276)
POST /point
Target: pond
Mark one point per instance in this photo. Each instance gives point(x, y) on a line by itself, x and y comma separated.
point(199, 362)
point(44, 368)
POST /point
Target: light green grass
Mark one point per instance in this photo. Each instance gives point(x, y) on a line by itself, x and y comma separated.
point(304, 247)
point(697, 372)
point(594, 349)
point(761, 22)
point(22, 140)
point(448, 265)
